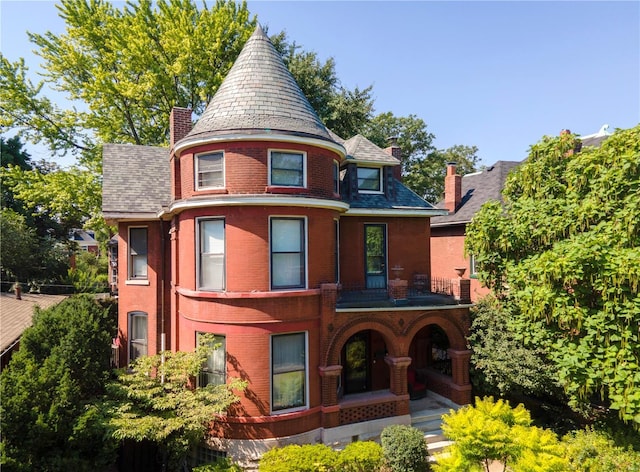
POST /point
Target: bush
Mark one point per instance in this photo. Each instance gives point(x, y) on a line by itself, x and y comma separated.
point(404, 449)
point(295, 458)
point(365, 456)
point(221, 465)
point(593, 451)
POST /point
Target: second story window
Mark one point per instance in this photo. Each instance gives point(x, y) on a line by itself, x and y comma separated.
point(288, 259)
point(209, 170)
point(369, 179)
point(137, 253)
point(287, 169)
point(211, 254)
point(336, 177)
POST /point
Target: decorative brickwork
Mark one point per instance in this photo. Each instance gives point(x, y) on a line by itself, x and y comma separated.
point(368, 412)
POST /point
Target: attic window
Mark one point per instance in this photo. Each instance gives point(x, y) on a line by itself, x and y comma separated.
point(370, 179)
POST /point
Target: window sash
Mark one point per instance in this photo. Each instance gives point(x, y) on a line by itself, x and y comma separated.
point(287, 169)
point(369, 179)
point(215, 367)
point(289, 362)
point(138, 253)
point(137, 335)
point(336, 177)
point(210, 170)
point(287, 253)
point(211, 254)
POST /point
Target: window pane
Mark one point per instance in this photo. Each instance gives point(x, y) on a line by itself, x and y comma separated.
point(138, 241)
point(211, 170)
point(137, 335)
point(287, 270)
point(212, 254)
point(289, 371)
point(139, 266)
point(287, 169)
point(286, 235)
point(368, 179)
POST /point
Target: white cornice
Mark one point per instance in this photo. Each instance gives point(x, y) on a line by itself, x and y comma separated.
point(253, 200)
point(196, 141)
point(129, 216)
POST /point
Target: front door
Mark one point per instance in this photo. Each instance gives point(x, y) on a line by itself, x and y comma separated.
point(355, 359)
point(375, 244)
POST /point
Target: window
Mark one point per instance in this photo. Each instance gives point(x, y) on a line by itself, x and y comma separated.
point(287, 168)
point(369, 179)
point(210, 170)
point(336, 177)
point(288, 253)
point(211, 254)
point(137, 253)
point(472, 266)
point(137, 335)
point(214, 370)
point(288, 371)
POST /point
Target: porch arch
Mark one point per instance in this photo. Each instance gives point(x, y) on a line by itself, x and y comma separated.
point(454, 332)
point(345, 332)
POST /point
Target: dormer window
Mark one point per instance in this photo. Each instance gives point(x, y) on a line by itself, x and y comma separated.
point(287, 169)
point(209, 170)
point(369, 179)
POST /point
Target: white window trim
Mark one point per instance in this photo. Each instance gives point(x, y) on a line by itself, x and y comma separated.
point(304, 167)
point(380, 177)
point(196, 173)
point(197, 253)
point(131, 280)
point(306, 252)
point(306, 374)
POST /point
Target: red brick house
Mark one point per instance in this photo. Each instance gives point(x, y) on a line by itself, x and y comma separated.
point(464, 195)
point(303, 253)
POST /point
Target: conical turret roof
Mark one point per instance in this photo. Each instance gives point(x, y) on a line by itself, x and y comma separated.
point(258, 96)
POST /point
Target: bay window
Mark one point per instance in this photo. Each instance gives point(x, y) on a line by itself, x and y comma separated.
point(287, 168)
point(211, 264)
point(288, 371)
point(288, 255)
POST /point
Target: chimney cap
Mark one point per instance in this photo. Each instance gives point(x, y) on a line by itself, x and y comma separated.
point(452, 163)
point(392, 140)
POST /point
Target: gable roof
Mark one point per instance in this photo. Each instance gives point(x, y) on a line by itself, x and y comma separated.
point(360, 148)
point(477, 189)
point(136, 181)
point(259, 95)
point(17, 315)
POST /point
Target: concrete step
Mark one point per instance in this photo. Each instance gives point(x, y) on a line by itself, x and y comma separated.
point(436, 448)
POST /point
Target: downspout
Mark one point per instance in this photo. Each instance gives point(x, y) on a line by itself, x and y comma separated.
point(162, 280)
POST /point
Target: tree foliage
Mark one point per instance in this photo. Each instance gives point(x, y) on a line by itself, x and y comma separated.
point(565, 250)
point(404, 448)
point(155, 401)
point(501, 362)
point(494, 431)
point(49, 421)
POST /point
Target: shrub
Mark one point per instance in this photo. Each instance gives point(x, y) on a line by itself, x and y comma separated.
point(404, 449)
point(365, 456)
point(306, 458)
point(221, 465)
point(593, 451)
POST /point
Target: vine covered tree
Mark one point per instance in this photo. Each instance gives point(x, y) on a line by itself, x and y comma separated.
point(564, 250)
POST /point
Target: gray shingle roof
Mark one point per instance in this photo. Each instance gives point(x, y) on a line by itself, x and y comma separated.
point(136, 179)
point(259, 95)
point(403, 199)
point(360, 148)
point(477, 189)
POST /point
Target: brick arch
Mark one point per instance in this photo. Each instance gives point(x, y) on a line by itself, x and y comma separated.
point(385, 328)
point(455, 333)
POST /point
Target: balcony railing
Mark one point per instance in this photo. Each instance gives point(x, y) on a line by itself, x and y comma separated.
point(422, 292)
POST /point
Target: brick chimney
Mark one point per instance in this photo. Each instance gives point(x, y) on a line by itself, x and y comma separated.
point(179, 124)
point(452, 188)
point(394, 150)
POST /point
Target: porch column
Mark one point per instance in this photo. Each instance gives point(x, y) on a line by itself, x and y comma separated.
point(398, 375)
point(330, 409)
point(461, 388)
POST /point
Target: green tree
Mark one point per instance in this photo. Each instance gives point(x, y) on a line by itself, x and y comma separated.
point(564, 250)
point(155, 401)
point(19, 244)
point(47, 416)
point(493, 431)
point(501, 362)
